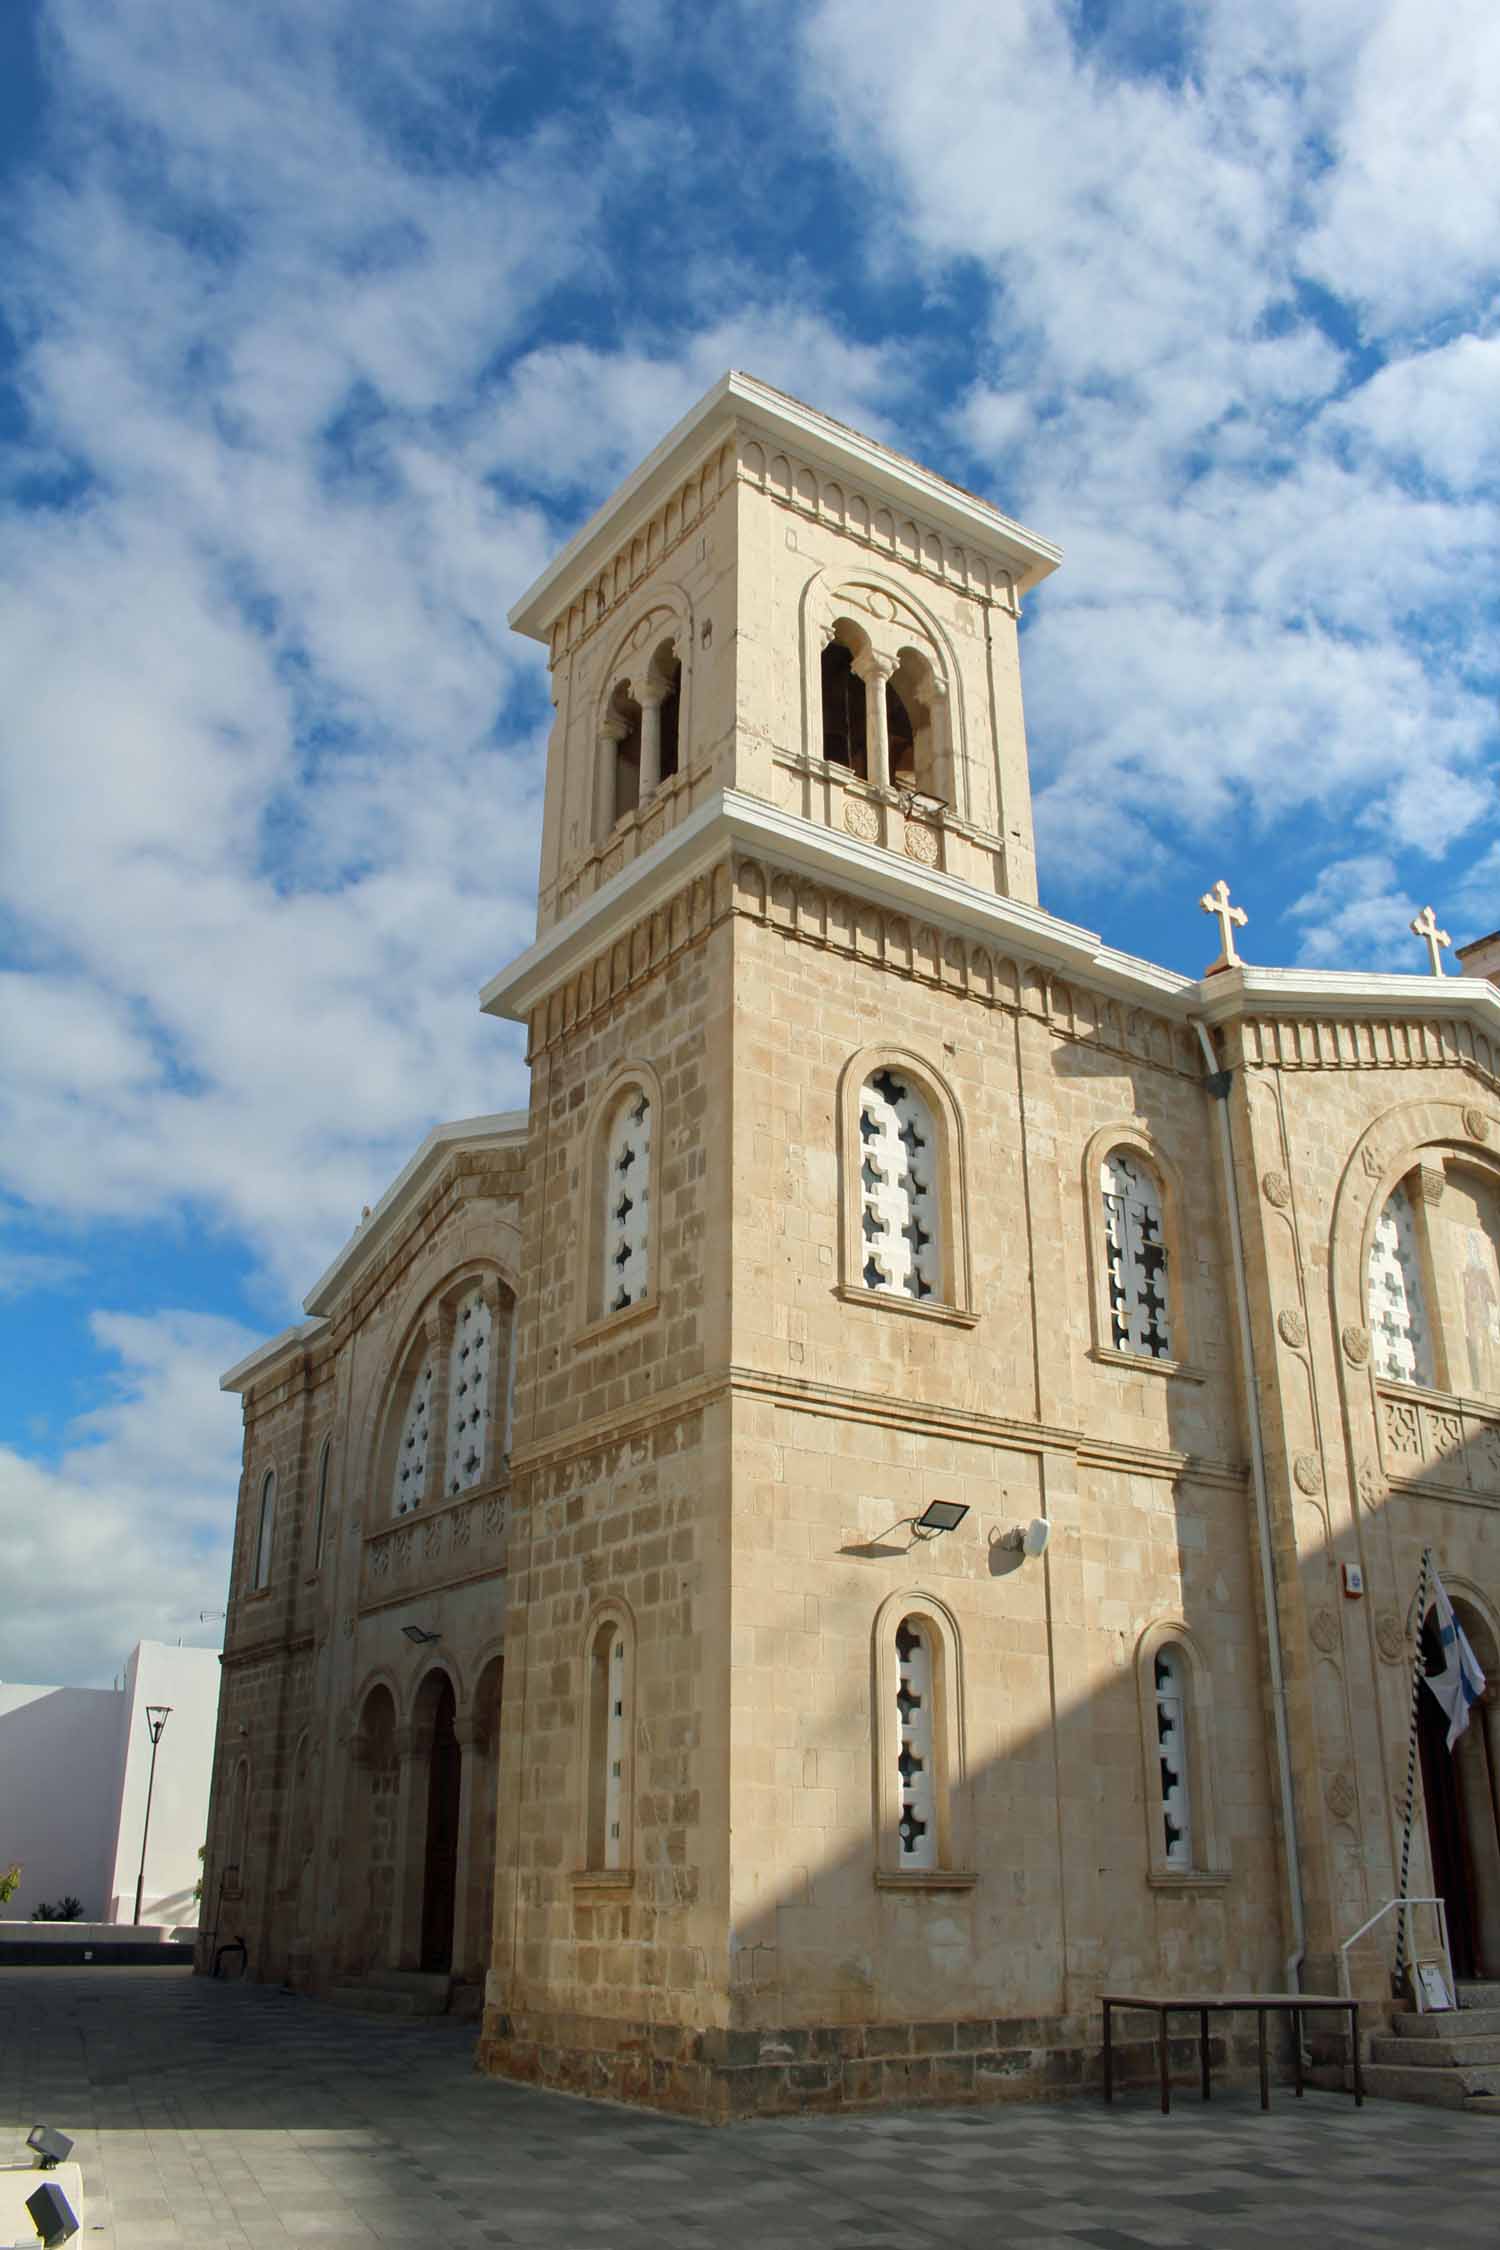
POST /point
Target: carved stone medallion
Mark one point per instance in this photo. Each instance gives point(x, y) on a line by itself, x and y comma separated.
point(921, 844)
point(1292, 1328)
point(1339, 1796)
point(1324, 1630)
point(1372, 1160)
point(1476, 1125)
point(1369, 1484)
point(1389, 1637)
point(861, 821)
point(1356, 1344)
point(1308, 1472)
point(1276, 1188)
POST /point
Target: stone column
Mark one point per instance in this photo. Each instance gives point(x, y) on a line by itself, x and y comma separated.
point(470, 1736)
point(942, 750)
point(413, 1747)
point(611, 734)
point(650, 695)
point(875, 671)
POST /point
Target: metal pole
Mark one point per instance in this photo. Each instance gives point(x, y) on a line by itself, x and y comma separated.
point(1411, 1764)
point(156, 1720)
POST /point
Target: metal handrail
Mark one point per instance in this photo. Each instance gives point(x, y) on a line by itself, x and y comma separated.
point(1405, 1905)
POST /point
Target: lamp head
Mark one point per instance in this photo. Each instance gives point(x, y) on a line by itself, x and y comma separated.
point(50, 2145)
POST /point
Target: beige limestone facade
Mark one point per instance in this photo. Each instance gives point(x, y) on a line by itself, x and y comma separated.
point(854, 1186)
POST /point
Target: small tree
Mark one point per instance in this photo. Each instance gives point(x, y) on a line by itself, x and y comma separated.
point(67, 1909)
point(10, 1882)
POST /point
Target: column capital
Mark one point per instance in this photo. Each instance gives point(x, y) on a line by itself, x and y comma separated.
point(650, 693)
point(872, 665)
point(613, 728)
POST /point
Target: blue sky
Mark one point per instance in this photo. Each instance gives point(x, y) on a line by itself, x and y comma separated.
point(322, 325)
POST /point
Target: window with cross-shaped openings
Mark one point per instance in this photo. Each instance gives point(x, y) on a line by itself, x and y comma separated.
point(468, 1393)
point(410, 1481)
point(264, 1532)
point(607, 1841)
point(900, 1251)
point(1136, 1257)
point(917, 1827)
point(1171, 1673)
point(626, 1276)
point(1400, 1337)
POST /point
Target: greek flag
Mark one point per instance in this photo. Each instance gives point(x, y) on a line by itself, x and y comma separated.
point(1460, 1684)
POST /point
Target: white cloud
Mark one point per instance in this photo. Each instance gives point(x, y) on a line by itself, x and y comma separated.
point(1358, 915)
point(125, 1537)
point(1276, 561)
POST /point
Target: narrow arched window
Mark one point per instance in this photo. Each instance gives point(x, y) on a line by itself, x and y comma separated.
point(625, 728)
point(320, 1509)
point(410, 1479)
point(468, 1393)
point(1400, 1336)
point(626, 1274)
point(844, 721)
point(608, 1776)
point(901, 1254)
point(264, 1531)
point(916, 1737)
point(1136, 1257)
point(902, 736)
point(1172, 1757)
point(671, 717)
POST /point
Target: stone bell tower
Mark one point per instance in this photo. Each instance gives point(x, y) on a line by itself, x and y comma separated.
point(787, 771)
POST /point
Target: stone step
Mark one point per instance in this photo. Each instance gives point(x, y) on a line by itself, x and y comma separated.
point(1437, 2054)
point(424, 1982)
point(380, 2000)
point(1476, 1992)
point(1441, 2089)
point(1472, 2023)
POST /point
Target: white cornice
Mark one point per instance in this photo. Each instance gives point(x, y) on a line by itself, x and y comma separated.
point(741, 398)
point(504, 1129)
point(888, 879)
point(784, 839)
point(1347, 994)
point(259, 1362)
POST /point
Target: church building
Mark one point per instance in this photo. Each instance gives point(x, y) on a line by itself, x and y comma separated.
point(888, 1501)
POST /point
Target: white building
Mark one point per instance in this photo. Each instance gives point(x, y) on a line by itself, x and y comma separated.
point(74, 1767)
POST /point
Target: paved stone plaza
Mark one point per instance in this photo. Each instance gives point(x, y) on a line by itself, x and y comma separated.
point(238, 2115)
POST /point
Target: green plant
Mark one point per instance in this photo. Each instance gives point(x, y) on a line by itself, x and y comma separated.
point(198, 1886)
point(10, 1881)
point(67, 1909)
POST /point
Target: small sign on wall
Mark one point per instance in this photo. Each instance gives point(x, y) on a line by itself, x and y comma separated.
point(1354, 1580)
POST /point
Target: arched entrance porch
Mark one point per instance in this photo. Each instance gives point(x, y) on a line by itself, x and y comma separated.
point(1461, 1793)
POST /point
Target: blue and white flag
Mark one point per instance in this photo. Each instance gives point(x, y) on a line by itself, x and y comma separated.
point(1460, 1684)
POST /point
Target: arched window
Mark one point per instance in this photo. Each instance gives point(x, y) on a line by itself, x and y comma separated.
point(409, 1483)
point(844, 723)
point(626, 1256)
point(264, 1532)
point(918, 1744)
point(917, 1828)
point(1173, 1799)
point(1400, 1336)
point(320, 1508)
point(899, 1199)
point(1177, 1746)
point(1136, 1257)
point(607, 1839)
point(468, 1393)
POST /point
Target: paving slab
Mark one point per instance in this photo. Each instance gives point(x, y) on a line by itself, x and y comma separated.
point(239, 2117)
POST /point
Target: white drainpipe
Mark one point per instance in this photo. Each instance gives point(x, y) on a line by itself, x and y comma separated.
point(1219, 1092)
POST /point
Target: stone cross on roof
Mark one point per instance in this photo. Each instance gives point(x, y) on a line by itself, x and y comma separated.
point(1425, 927)
point(1230, 918)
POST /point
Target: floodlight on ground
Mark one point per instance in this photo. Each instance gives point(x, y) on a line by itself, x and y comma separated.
point(52, 2214)
point(50, 2145)
point(1031, 1538)
point(941, 1515)
point(419, 1636)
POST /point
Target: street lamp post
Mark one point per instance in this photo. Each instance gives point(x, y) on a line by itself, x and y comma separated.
point(157, 1715)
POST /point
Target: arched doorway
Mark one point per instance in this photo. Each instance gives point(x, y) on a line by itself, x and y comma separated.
point(1459, 1789)
point(444, 1805)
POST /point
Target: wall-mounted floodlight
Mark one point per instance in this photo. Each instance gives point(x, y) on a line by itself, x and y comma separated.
point(419, 1636)
point(1031, 1537)
point(50, 2145)
point(940, 1515)
point(52, 2214)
